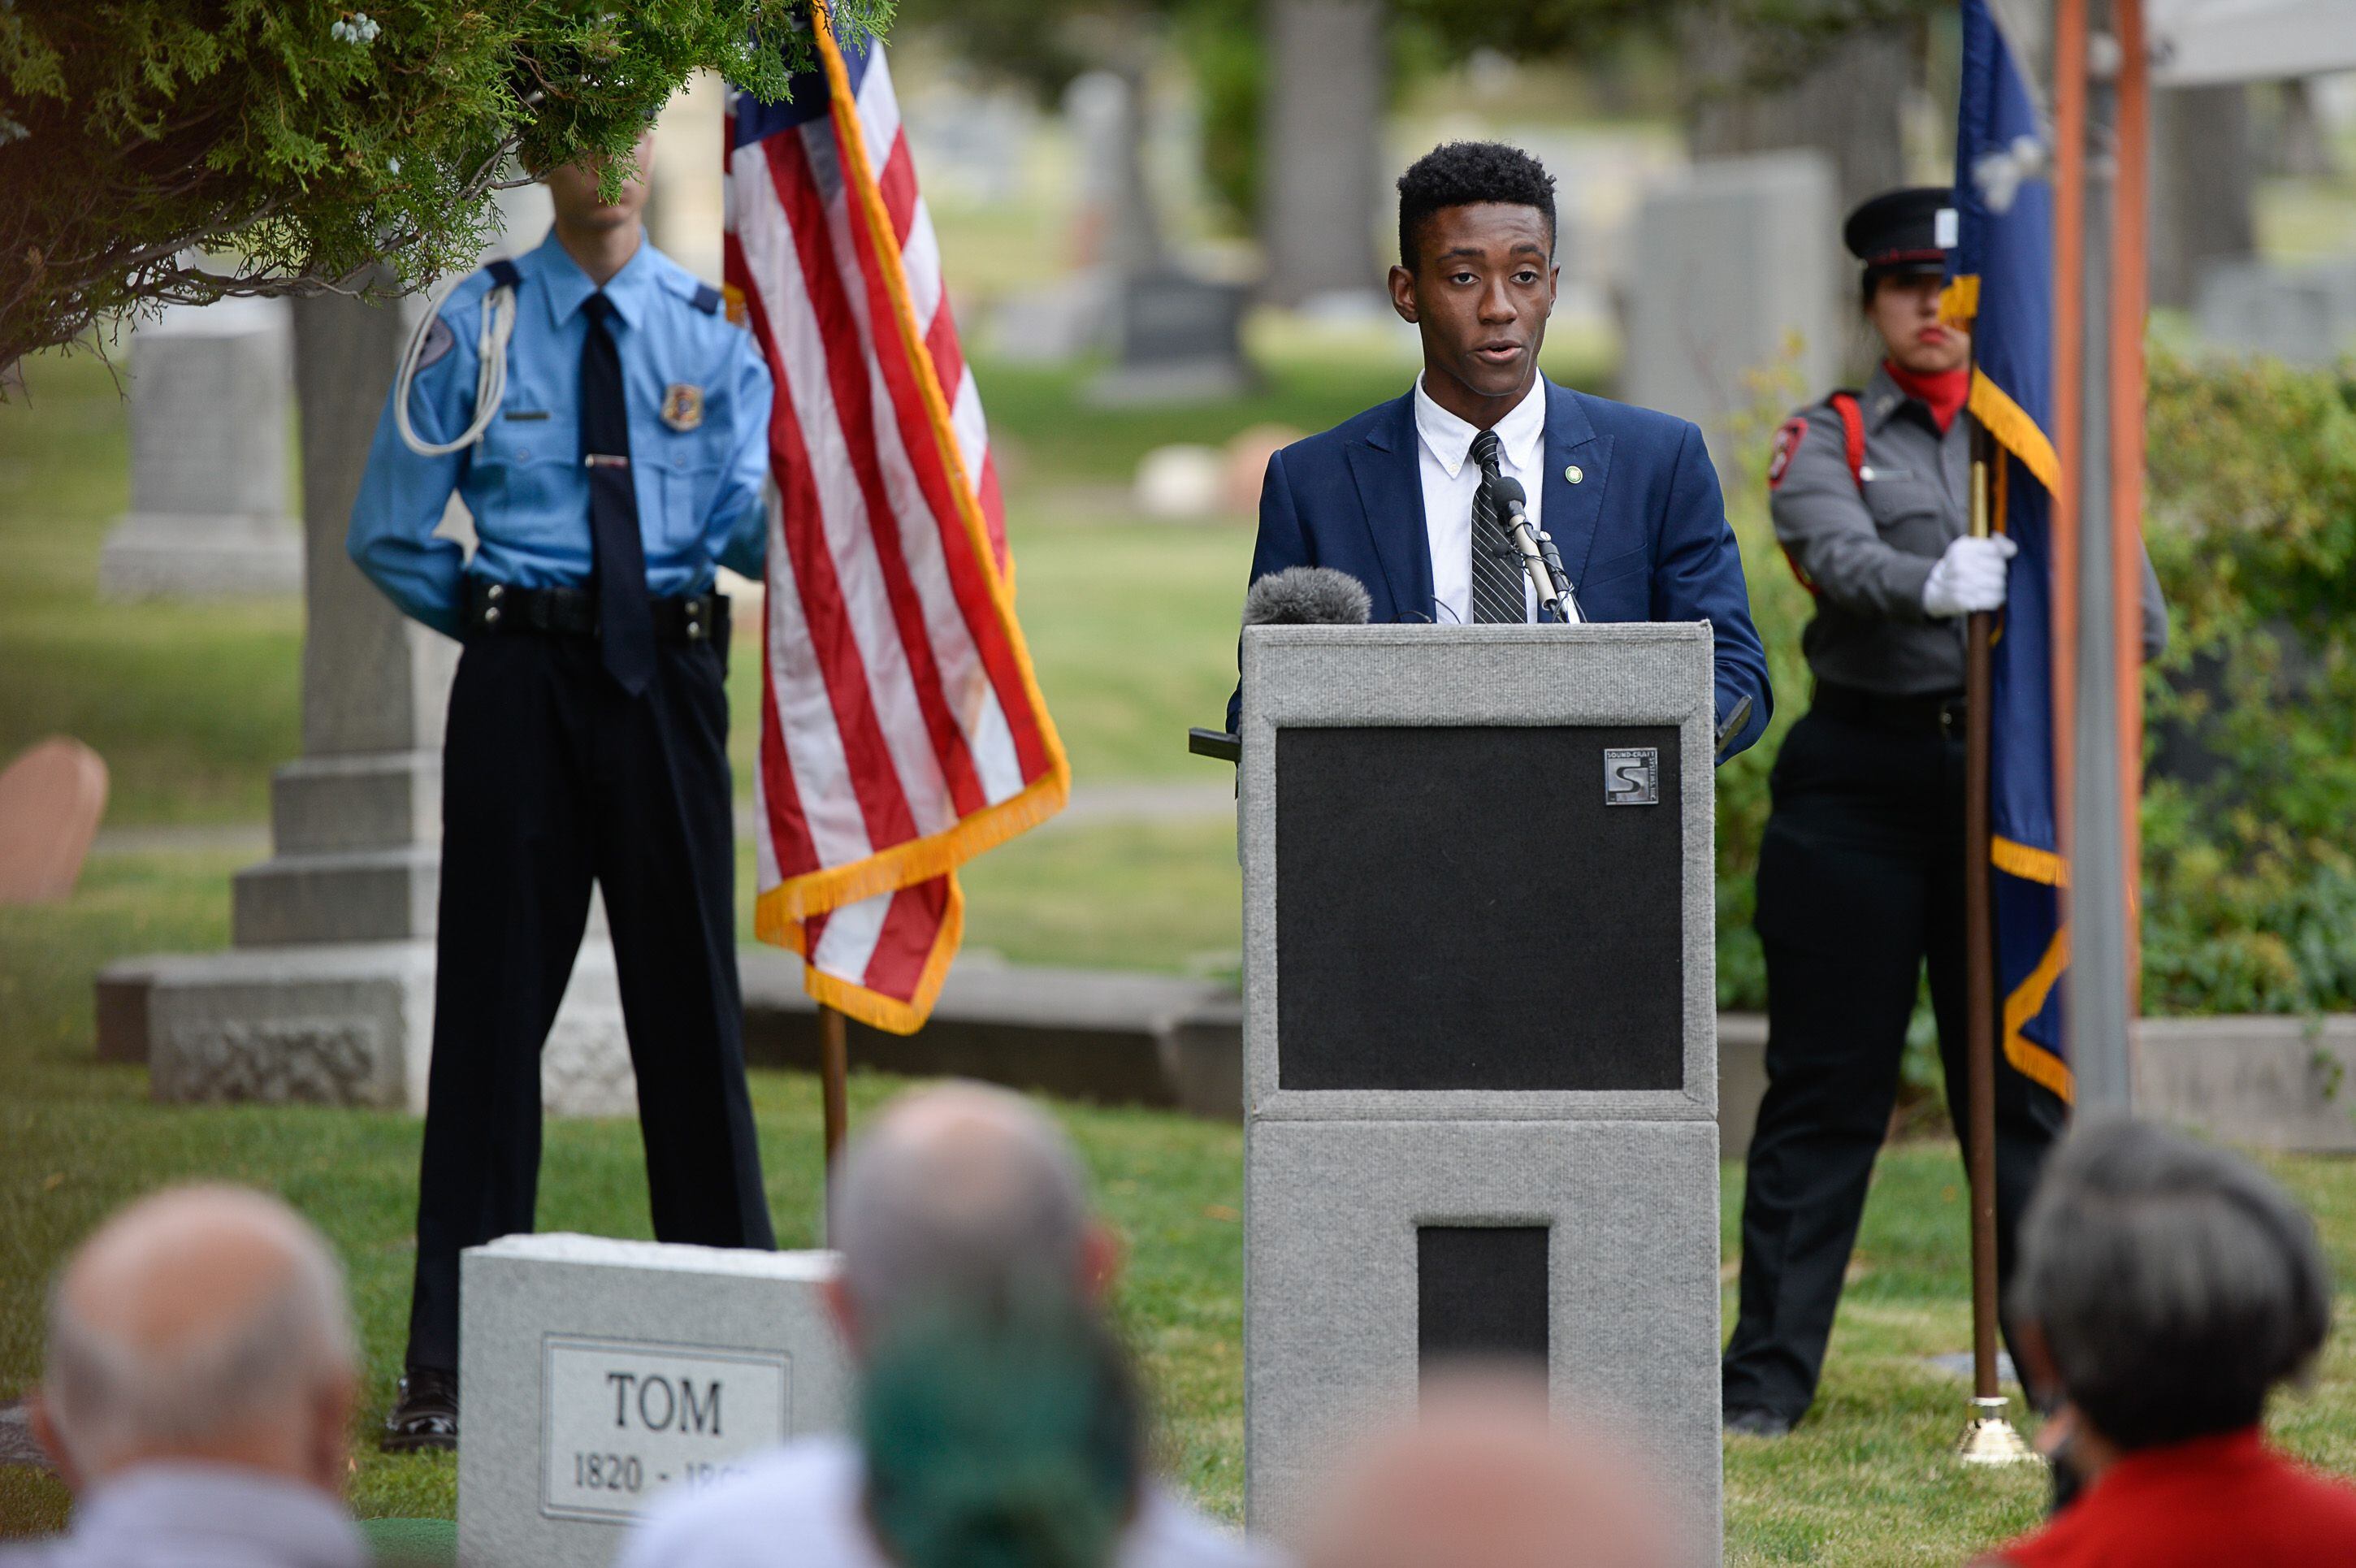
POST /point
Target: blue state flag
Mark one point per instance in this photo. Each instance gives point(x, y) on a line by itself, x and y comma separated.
point(2001, 286)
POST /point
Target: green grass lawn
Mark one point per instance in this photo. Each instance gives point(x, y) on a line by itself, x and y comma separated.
point(1865, 1481)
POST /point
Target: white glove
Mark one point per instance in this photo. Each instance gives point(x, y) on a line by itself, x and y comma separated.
point(1969, 578)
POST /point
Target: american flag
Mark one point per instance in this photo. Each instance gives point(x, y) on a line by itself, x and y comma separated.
point(902, 728)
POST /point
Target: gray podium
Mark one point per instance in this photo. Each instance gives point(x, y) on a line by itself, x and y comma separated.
point(1480, 1047)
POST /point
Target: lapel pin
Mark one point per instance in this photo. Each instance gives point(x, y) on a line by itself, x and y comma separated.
point(1574, 473)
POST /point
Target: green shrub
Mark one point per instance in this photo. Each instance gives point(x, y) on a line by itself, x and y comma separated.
point(305, 141)
point(2249, 879)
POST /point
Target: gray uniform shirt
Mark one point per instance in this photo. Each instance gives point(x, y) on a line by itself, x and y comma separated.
point(1868, 545)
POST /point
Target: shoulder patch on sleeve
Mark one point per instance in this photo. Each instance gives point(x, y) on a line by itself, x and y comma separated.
point(706, 299)
point(439, 341)
point(1793, 431)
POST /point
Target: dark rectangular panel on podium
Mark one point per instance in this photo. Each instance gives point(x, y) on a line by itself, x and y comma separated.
point(1481, 1290)
point(1463, 908)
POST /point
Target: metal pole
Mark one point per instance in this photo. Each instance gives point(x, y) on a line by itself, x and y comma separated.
point(2129, 306)
point(2095, 989)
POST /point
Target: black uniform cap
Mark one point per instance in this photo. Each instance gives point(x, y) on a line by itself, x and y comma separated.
point(1898, 230)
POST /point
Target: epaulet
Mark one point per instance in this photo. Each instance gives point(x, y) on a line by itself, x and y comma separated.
point(504, 273)
point(706, 299)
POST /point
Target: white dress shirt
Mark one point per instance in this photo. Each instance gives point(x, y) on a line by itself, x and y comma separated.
point(1443, 458)
point(802, 1506)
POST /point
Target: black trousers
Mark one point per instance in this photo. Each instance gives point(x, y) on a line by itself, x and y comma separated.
point(553, 779)
point(1860, 884)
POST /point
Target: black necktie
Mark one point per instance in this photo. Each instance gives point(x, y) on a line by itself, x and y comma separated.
point(626, 621)
point(1497, 571)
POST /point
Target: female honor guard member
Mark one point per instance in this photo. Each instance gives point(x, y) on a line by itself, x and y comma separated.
point(1861, 872)
point(608, 428)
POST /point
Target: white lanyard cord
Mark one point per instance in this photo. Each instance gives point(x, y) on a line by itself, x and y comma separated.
point(491, 380)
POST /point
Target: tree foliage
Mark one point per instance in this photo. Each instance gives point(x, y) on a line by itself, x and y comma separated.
point(155, 151)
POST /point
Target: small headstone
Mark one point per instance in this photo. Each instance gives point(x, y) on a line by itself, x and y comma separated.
point(2300, 316)
point(597, 1375)
point(1244, 467)
point(1179, 482)
point(51, 799)
point(210, 389)
point(1180, 338)
point(1731, 267)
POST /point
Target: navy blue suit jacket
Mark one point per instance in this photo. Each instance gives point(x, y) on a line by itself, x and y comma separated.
point(1643, 535)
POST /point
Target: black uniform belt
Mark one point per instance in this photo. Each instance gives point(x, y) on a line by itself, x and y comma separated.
point(1940, 712)
point(573, 612)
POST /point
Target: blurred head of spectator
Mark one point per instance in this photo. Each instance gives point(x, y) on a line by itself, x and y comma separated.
point(2166, 1288)
point(1484, 1478)
point(961, 1197)
point(1006, 1438)
point(999, 1425)
point(201, 1384)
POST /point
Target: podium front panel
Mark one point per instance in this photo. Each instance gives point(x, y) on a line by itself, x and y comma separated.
point(1480, 1035)
point(1479, 872)
point(1516, 912)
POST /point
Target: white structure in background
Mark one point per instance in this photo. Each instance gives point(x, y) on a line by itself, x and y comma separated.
point(2198, 42)
point(1733, 267)
point(209, 388)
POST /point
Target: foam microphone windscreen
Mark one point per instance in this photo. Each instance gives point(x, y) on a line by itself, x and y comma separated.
point(1307, 596)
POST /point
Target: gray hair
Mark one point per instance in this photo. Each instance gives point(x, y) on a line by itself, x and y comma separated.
point(112, 1391)
point(958, 1196)
point(2174, 1282)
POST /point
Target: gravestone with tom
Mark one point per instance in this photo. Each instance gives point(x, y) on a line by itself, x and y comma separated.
point(209, 386)
point(1479, 1034)
point(600, 1374)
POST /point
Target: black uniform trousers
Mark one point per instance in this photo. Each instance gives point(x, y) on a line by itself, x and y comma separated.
point(1860, 882)
point(555, 778)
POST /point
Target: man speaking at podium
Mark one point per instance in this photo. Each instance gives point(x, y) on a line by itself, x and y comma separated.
point(1413, 497)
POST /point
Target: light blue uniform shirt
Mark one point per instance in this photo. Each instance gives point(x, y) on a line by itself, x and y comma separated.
point(698, 487)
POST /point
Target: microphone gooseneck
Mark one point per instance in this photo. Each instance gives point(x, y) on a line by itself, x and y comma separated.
point(1543, 567)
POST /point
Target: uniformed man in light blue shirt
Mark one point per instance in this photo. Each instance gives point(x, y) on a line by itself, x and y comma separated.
point(607, 426)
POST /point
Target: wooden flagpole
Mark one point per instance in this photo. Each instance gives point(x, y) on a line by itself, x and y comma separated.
point(1979, 957)
point(833, 1070)
point(1988, 1438)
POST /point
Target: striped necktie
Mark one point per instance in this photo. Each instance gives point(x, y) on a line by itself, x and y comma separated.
point(1497, 571)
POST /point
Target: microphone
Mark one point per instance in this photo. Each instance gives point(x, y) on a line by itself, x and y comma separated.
point(1544, 569)
point(1308, 596)
point(1297, 595)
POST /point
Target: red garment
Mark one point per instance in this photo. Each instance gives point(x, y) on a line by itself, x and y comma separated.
point(1942, 392)
point(2219, 1501)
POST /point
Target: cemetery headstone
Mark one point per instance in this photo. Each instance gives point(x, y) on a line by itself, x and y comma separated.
point(209, 386)
point(1734, 267)
point(2301, 316)
point(597, 1375)
point(1179, 337)
point(52, 798)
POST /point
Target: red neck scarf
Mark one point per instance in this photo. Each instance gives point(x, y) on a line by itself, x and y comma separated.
point(1942, 391)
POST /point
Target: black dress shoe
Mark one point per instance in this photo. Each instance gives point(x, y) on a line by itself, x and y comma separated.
point(424, 1415)
point(1756, 1421)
